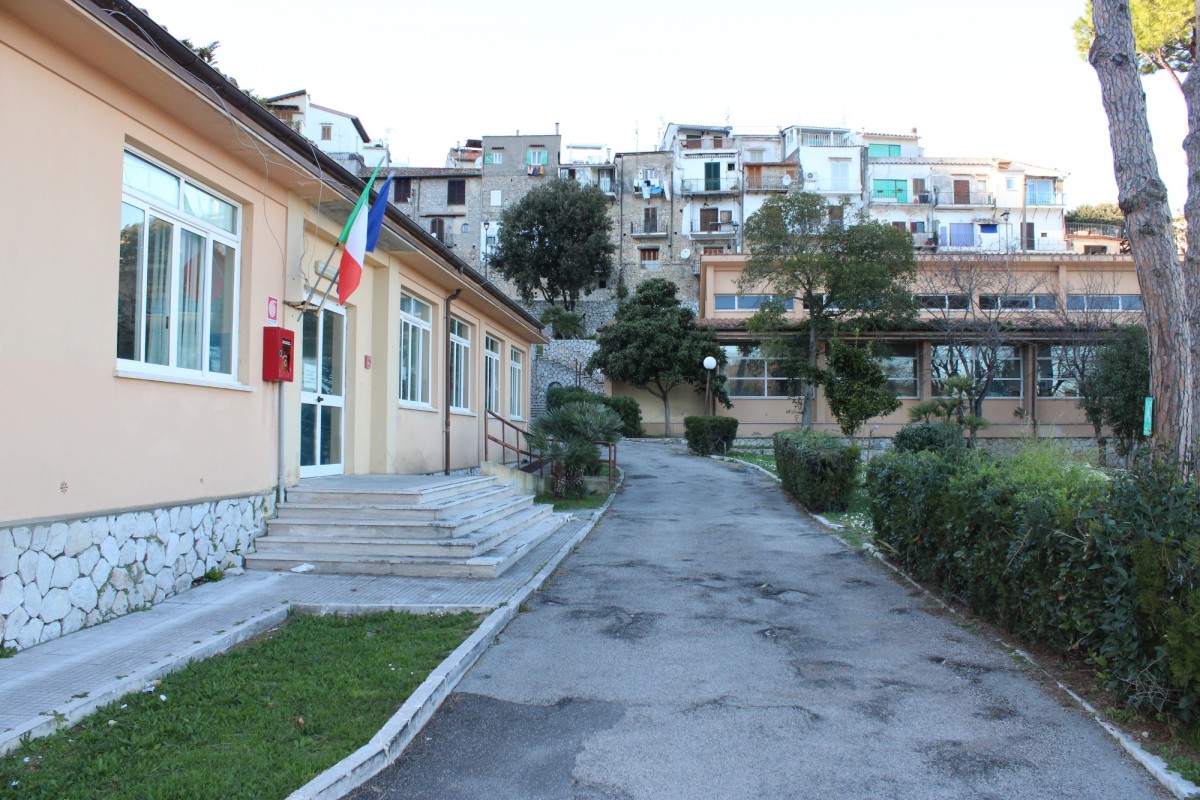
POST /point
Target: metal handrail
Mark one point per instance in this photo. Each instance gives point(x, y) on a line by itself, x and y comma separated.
point(503, 440)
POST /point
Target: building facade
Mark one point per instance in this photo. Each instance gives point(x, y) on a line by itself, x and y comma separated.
point(159, 436)
point(1030, 316)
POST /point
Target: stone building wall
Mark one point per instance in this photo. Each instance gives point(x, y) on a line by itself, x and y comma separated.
point(58, 577)
point(562, 361)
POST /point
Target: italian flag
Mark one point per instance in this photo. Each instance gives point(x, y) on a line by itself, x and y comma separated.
point(355, 235)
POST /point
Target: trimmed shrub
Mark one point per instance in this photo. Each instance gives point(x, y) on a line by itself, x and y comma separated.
point(940, 437)
point(561, 395)
point(708, 435)
point(631, 415)
point(817, 469)
point(1104, 570)
point(626, 407)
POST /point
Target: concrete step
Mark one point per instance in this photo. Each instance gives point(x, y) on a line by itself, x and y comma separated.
point(322, 543)
point(489, 565)
point(410, 497)
point(402, 528)
point(439, 508)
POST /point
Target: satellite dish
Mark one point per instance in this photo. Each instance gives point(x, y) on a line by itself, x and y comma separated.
point(685, 253)
point(787, 179)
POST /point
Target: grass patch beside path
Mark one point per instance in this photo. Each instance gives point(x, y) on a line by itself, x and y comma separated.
point(760, 458)
point(256, 722)
point(587, 503)
point(855, 520)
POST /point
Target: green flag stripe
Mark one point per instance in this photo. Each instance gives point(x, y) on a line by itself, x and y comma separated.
point(362, 201)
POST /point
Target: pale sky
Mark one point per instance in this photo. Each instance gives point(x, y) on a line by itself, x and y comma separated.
point(975, 77)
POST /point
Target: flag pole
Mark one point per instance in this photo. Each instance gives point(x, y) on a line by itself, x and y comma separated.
point(363, 200)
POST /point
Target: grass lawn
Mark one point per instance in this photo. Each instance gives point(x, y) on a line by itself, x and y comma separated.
point(856, 520)
point(591, 501)
point(258, 721)
point(761, 458)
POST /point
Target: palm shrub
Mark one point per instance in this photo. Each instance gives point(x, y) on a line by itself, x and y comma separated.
point(568, 435)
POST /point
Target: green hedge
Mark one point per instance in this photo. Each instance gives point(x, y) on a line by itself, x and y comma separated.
point(817, 469)
point(708, 435)
point(626, 407)
point(939, 437)
point(1109, 570)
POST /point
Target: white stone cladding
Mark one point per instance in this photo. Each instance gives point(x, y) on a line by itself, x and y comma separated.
point(58, 577)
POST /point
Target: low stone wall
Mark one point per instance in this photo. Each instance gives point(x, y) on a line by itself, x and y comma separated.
point(58, 577)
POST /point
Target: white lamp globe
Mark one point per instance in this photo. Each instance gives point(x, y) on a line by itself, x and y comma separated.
point(710, 362)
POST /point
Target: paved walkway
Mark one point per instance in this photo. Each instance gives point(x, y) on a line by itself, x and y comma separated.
point(710, 640)
point(65, 679)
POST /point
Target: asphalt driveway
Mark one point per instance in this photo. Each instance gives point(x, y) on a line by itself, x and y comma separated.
point(710, 640)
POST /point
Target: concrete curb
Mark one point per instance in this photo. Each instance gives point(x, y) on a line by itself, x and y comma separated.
point(731, 459)
point(76, 709)
point(1173, 782)
point(389, 743)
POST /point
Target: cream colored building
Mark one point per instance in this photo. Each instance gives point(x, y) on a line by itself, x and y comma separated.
point(156, 221)
point(1045, 303)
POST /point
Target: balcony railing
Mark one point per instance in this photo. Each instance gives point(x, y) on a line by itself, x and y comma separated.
point(1044, 244)
point(710, 185)
point(1045, 199)
point(924, 240)
point(965, 199)
point(837, 186)
point(715, 230)
point(767, 183)
point(715, 143)
point(648, 228)
point(1095, 229)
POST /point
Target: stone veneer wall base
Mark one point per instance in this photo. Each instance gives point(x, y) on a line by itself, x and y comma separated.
point(58, 577)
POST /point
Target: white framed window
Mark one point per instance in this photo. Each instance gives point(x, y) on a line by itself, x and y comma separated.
point(1104, 302)
point(537, 156)
point(752, 302)
point(516, 384)
point(491, 373)
point(460, 365)
point(753, 374)
point(1058, 368)
point(947, 360)
point(901, 368)
point(416, 349)
point(326, 132)
point(178, 275)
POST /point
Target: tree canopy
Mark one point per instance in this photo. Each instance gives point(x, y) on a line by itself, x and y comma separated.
point(856, 386)
point(554, 242)
point(856, 276)
point(1103, 213)
point(1164, 33)
point(654, 343)
point(1116, 387)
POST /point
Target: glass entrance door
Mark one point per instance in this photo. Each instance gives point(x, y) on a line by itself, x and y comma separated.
point(322, 392)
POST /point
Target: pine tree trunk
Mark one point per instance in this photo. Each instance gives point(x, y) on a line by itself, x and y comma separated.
point(1171, 319)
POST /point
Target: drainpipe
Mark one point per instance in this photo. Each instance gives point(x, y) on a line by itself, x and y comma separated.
point(449, 383)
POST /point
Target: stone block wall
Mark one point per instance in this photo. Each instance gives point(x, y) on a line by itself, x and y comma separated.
point(58, 577)
point(562, 361)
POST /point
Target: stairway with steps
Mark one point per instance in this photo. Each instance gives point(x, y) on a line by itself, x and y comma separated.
point(458, 527)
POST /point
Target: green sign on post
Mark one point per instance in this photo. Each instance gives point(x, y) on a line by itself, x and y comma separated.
point(1148, 417)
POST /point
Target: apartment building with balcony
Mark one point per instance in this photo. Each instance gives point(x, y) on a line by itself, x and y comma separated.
point(647, 223)
point(949, 204)
point(707, 178)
